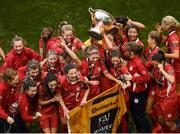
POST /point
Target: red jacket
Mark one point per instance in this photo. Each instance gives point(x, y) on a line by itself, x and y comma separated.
point(22, 74)
point(15, 61)
point(118, 71)
point(49, 109)
point(76, 44)
point(139, 74)
point(7, 98)
point(58, 69)
point(52, 44)
point(27, 106)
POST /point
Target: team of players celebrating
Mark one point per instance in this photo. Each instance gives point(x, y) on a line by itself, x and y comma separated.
point(46, 86)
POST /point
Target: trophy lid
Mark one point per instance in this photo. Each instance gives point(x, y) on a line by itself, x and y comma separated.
point(102, 16)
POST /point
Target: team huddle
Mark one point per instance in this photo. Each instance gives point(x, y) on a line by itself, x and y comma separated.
point(45, 86)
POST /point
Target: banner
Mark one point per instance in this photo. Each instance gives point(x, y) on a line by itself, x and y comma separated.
point(102, 114)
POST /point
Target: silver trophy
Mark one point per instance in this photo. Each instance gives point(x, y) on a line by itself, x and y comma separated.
point(100, 19)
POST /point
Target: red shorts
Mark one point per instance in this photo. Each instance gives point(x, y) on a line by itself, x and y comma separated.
point(105, 83)
point(49, 122)
point(167, 109)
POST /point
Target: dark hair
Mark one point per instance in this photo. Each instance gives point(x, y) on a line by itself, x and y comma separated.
point(49, 78)
point(89, 49)
point(46, 36)
point(122, 19)
point(9, 74)
point(159, 56)
point(69, 67)
point(155, 36)
point(64, 55)
point(134, 47)
point(129, 27)
point(28, 82)
point(33, 64)
point(115, 53)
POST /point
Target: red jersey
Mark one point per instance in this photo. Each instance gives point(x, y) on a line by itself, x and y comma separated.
point(49, 109)
point(53, 44)
point(172, 44)
point(72, 93)
point(118, 71)
point(58, 69)
point(22, 73)
point(15, 61)
point(123, 49)
point(124, 37)
point(139, 74)
point(148, 54)
point(76, 44)
point(92, 71)
point(164, 89)
point(7, 98)
point(27, 106)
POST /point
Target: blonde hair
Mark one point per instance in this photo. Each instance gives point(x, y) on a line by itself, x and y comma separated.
point(154, 35)
point(64, 26)
point(178, 29)
point(170, 20)
point(18, 38)
point(9, 74)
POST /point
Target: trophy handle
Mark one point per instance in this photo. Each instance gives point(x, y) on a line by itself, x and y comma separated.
point(91, 11)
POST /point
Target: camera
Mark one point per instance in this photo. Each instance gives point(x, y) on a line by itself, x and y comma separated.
point(15, 105)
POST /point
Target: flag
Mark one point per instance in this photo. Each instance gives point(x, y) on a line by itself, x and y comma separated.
point(101, 114)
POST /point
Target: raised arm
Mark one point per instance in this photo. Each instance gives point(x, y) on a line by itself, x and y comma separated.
point(135, 23)
point(71, 53)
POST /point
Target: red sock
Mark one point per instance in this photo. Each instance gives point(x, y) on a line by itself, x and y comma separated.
point(64, 128)
point(124, 125)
